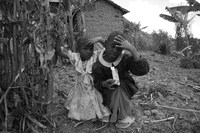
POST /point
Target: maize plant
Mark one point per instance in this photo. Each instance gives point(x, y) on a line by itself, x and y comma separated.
point(27, 56)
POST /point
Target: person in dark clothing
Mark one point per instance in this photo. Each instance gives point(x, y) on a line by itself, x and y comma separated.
point(112, 78)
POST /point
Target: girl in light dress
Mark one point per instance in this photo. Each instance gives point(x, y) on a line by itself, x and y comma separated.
point(84, 101)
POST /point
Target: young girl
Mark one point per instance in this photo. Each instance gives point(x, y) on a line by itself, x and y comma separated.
point(85, 102)
point(112, 79)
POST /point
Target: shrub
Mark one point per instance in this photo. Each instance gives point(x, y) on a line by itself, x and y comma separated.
point(196, 64)
point(186, 63)
point(189, 63)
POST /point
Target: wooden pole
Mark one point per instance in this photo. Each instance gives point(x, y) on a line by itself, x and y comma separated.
point(11, 60)
point(49, 62)
point(70, 26)
point(83, 28)
point(21, 54)
point(15, 52)
point(6, 63)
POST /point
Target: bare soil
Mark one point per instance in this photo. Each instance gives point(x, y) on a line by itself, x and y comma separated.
point(168, 100)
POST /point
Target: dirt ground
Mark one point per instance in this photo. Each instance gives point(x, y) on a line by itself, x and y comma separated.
point(168, 100)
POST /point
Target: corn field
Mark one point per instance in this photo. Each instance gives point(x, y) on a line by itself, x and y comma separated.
point(28, 29)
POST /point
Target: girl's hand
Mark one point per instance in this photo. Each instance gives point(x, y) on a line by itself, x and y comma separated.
point(108, 84)
point(127, 46)
point(124, 43)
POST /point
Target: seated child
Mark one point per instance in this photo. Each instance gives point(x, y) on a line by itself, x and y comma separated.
point(113, 80)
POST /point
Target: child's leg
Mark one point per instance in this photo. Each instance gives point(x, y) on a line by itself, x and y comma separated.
point(104, 111)
point(120, 105)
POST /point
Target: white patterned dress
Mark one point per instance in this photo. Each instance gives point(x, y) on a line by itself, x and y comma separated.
point(85, 102)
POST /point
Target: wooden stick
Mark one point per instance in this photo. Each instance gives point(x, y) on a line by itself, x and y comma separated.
point(151, 97)
point(52, 124)
point(194, 87)
point(78, 123)
point(161, 120)
point(36, 122)
point(196, 116)
point(173, 126)
point(190, 110)
point(6, 114)
point(188, 47)
point(101, 127)
point(190, 85)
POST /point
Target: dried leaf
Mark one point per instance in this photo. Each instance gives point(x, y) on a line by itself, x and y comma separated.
point(16, 77)
point(23, 123)
point(39, 49)
point(11, 45)
point(17, 99)
point(49, 55)
point(41, 60)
